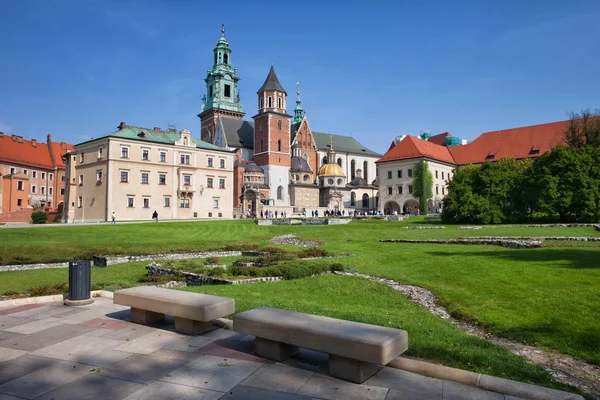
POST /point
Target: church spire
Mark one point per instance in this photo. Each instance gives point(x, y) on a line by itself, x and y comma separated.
point(298, 111)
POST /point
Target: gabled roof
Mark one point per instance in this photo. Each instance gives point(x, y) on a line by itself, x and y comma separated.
point(524, 142)
point(169, 137)
point(15, 149)
point(239, 133)
point(412, 147)
point(272, 83)
point(342, 144)
point(439, 138)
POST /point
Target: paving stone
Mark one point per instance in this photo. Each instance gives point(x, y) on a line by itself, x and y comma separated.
point(168, 391)
point(57, 312)
point(23, 365)
point(105, 358)
point(325, 387)
point(77, 349)
point(278, 377)
point(34, 312)
point(47, 337)
point(213, 373)
point(97, 332)
point(93, 387)
point(131, 332)
point(148, 343)
point(175, 354)
point(190, 343)
point(141, 369)
point(456, 391)
point(86, 315)
point(10, 321)
point(18, 309)
point(251, 393)
point(35, 326)
point(407, 385)
point(8, 354)
point(105, 323)
point(236, 349)
point(44, 380)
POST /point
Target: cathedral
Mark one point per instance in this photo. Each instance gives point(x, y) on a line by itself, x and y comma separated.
point(280, 162)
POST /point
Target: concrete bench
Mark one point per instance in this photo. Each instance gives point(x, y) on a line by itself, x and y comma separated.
point(193, 312)
point(355, 349)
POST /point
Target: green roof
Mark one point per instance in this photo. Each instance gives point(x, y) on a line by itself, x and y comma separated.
point(169, 137)
point(342, 144)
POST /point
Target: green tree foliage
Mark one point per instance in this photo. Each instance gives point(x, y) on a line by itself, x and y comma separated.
point(422, 184)
point(39, 217)
point(584, 129)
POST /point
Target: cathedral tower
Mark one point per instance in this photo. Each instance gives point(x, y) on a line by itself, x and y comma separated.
point(272, 137)
point(222, 97)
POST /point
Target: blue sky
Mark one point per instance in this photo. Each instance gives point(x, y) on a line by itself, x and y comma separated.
point(371, 69)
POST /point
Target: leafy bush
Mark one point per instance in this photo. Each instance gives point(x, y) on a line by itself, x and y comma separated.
point(217, 271)
point(313, 252)
point(212, 260)
point(39, 217)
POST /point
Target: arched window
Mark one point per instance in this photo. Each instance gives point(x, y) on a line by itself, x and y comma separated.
point(280, 193)
point(365, 171)
point(339, 162)
point(352, 170)
point(279, 125)
point(279, 145)
point(305, 156)
point(352, 199)
point(306, 177)
point(365, 201)
point(279, 102)
point(261, 145)
point(225, 59)
point(324, 160)
point(270, 102)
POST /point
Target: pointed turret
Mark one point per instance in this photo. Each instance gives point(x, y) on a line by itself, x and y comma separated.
point(298, 111)
point(272, 83)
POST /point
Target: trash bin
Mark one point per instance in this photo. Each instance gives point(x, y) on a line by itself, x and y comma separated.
point(79, 283)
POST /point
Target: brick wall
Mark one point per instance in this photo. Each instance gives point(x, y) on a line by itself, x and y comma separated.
point(17, 216)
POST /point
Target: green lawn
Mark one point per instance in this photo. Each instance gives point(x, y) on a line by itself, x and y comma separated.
point(548, 296)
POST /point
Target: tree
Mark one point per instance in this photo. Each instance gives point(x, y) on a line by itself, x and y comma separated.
point(422, 184)
point(584, 129)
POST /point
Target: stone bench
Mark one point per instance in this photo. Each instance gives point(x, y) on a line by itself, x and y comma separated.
point(193, 312)
point(355, 349)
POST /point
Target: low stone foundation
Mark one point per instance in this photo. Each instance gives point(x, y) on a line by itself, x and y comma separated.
point(192, 279)
point(303, 221)
point(530, 243)
point(566, 238)
point(425, 227)
point(104, 261)
point(597, 226)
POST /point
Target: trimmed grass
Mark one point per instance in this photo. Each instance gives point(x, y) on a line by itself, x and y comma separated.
point(361, 300)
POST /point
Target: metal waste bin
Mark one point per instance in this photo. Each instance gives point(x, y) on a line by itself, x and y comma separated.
point(79, 283)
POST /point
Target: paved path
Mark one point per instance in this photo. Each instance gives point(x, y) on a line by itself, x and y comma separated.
point(52, 352)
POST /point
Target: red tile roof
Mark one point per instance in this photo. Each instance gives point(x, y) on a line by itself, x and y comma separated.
point(525, 142)
point(15, 149)
point(439, 138)
point(412, 147)
point(59, 150)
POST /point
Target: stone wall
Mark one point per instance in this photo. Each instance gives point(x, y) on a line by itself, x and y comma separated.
point(192, 279)
point(23, 215)
point(529, 243)
point(425, 227)
point(303, 221)
point(103, 261)
point(566, 238)
point(597, 226)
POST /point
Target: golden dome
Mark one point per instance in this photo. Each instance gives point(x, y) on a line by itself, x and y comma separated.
point(331, 169)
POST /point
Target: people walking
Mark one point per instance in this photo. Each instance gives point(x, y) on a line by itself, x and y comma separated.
point(113, 217)
point(155, 216)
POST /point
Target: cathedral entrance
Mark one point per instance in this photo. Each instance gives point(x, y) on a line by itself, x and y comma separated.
point(391, 208)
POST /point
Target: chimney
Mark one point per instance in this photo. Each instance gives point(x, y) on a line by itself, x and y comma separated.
point(13, 137)
point(1, 135)
point(19, 139)
point(63, 146)
point(48, 138)
point(33, 143)
point(156, 129)
point(122, 125)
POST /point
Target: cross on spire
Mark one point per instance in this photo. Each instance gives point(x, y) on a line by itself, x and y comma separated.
point(222, 30)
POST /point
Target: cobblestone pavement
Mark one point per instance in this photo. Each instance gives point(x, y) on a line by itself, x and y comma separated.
point(53, 352)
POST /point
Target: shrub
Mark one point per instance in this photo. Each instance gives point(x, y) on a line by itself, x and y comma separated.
point(217, 271)
point(212, 260)
point(159, 278)
point(313, 252)
point(336, 267)
point(59, 288)
point(39, 217)
point(271, 249)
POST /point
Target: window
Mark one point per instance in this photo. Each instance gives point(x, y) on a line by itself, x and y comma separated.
point(62, 178)
point(19, 202)
point(162, 179)
point(410, 189)
point(145, 155)
point(145, 178)
point(185, 159)
point(270, 102)
point(124, 176)
point(279, 145)
point(146, 202)
point(42, 189)
point(33, 189)
point(99, 176)
point(339, 162)
point(163, 156)
point(209, 182)
point(399, 173)
point(187, 180)
point(184, 203)
point(210, 162)
point(443, 191)
point(279, 125)
point(79, 202)
point(215, 203)
point(262, 105)
point(261, 145)
point(210, 91)
point(442, 175)
point(19, 185)
point(222, 183)
point(34, 174)
point(130, 202)
point(365, 201)
point(437, 190)
point(353, 170)
point(410, 173)
point(62, 192)
point(366, 171)
point(100, 150)
point(124, 152)
point(390, 190)
point(80, 181)
point(400, 189)
point(222, 163)
point(227, 89)
point(324, 160)
point(50, 191)
point(167, 201)
point(81, 158)
point(389, 174)
point(43, 175)
point(279, 103)
point(12, 171)
point(352, 199)
point(25, 171)
point(51, 177)
point(436, 174)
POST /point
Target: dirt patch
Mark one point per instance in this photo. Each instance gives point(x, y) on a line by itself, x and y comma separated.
point(565, 369)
